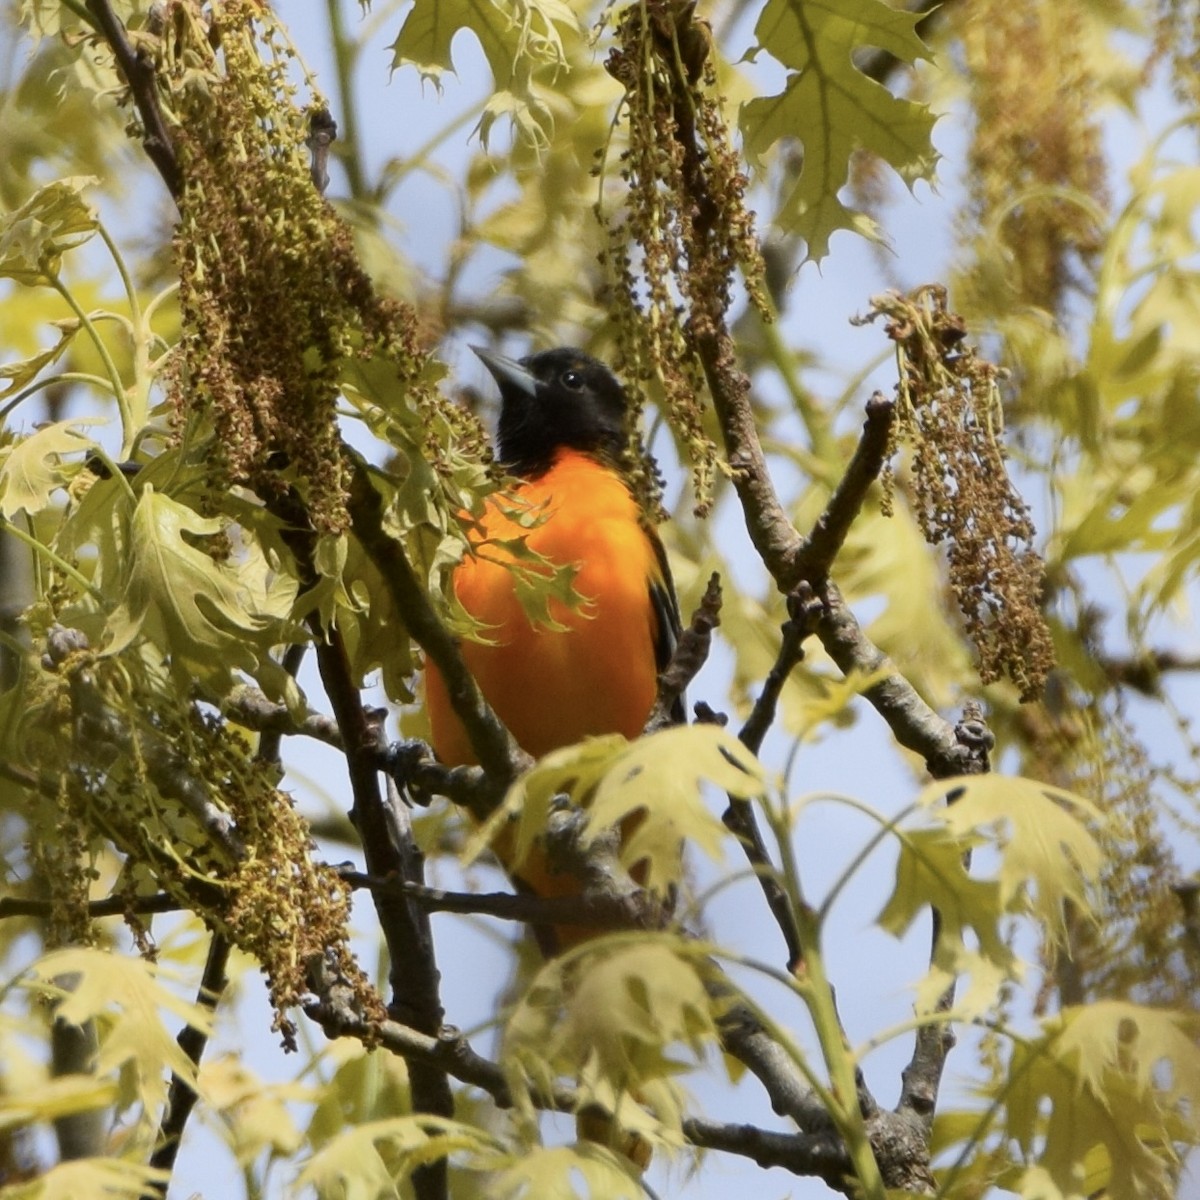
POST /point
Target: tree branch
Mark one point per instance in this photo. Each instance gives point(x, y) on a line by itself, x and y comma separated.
point(389, 849)
point(111, 906)
point(802, 1154)
point(913, 723)
point(181, 1098)
point(815, 558)
point(605, 910)
point(499, 755)
point(689, 656)
point(138, 71)
point(251, 709)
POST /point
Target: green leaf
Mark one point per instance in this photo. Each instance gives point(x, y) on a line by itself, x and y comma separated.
point(611, 1014)
point(1046, 857)
point(1047, 854)
point(210, 618)
point(52, 221)
point(54, 1098)
point(1096, 1102)
point(31, 469)
point(14, 376)
point(555, 1173)
point(518, 38)
point(834, 109)
point(655, 779)
point(366, 1161)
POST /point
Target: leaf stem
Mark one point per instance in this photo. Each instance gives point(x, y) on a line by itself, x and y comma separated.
point(110, 366)
point(61, 563)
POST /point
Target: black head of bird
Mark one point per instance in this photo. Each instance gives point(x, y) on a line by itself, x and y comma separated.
point(556, 400)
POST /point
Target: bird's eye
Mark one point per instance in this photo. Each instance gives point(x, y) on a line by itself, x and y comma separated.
point(572, 380)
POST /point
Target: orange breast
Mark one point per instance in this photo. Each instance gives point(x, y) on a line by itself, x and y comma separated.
point(596, 674)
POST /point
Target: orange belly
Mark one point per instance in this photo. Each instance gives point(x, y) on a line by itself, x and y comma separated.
point(593, 671)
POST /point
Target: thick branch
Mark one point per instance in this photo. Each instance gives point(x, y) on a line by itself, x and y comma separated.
point(390, 849)
point(771, 530)
point(915, 725)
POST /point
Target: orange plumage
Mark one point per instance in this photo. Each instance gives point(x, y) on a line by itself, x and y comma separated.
point(594, 670)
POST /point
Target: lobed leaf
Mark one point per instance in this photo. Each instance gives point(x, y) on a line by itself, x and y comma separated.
point(34, 237)
point(1046, 858)
point(210, 619)
point(656, 780)
point(366, 1162)
point(555, 1173)
point(834, 109)
point(32, 469)
point(126, 999)
point(1096, 1103)
point(518, 37)
point(99, 1178)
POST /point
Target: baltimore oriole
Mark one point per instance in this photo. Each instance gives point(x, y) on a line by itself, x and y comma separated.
point(593, 669)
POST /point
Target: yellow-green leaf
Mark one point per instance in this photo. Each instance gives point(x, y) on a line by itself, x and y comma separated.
point(1046, 856)
point(834, 109)
point(366, 1162)
point(556, 1173)
point(1097, 1101)
point(613, 1014)
point(15, 375)
point(31, 469)
point(210, 618)
point(126, 999)
point(100, 1178)
point(33, 239)
point(518, 37)
point(54, 1098)
point(658, 778)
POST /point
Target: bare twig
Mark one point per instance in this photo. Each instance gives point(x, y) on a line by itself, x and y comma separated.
point(604, 910)
point(138, 71)
point(933, 1041)
point(913, 723)
point(814, 560)
point(690, 655)
point(248, 707)
point(181, 1098)
point(111, 906)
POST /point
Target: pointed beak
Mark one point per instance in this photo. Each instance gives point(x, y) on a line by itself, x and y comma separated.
point(507, 372)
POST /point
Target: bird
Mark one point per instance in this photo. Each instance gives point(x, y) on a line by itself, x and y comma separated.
point(593, 667)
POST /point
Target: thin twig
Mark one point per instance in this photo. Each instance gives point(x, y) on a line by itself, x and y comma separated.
point(689, 656)
point(634, 910)
point(111, 906)
point(821, 547)
point(933, 1041)
point(251, 709)
point(139, 74)
point(181, 1098)
point(497, 752)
